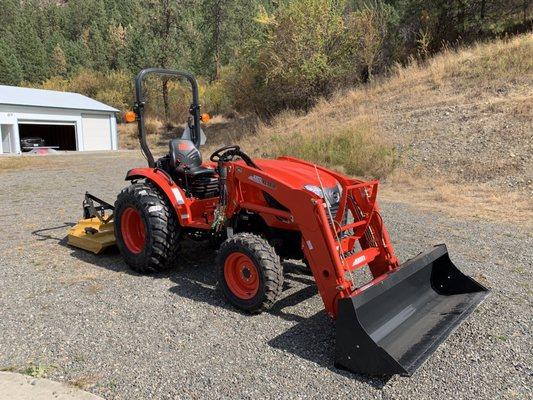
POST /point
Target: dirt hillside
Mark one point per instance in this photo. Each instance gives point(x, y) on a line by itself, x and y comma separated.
point(461, 126)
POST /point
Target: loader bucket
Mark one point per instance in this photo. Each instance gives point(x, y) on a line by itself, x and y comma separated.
point(393, 326)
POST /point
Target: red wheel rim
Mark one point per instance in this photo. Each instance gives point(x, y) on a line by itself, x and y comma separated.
point(133, 231)
point(241, 275)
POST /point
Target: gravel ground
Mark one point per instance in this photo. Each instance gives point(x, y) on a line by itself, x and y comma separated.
point(87, 320)
point(479, 142)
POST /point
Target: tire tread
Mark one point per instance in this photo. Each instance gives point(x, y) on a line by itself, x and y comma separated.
point(163, 223)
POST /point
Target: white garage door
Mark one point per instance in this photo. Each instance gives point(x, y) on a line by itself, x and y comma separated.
point(96, 132)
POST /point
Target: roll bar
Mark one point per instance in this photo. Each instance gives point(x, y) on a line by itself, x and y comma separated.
point(138, 107)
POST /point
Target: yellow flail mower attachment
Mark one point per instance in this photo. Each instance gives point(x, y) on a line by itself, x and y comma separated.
point(96, 231)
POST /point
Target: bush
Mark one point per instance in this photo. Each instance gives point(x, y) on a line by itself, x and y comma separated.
point(114, 88)
point(217, 98)
point(307, 50)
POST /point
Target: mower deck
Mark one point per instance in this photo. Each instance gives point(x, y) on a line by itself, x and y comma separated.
point(92, 235)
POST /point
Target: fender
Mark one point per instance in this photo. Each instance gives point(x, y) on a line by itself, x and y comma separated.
point(173, 192)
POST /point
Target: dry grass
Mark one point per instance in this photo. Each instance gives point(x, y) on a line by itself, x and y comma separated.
point(84, 382)
point(477, 201)
point(354, 148)
point(127, 133)
point(452, 77)
point(9, 163)
point(459, 76)
point(219, 130)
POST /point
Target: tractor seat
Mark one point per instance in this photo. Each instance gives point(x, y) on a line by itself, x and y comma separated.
point(185, 158)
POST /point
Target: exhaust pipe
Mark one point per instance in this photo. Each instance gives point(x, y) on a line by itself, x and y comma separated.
point(393, 326)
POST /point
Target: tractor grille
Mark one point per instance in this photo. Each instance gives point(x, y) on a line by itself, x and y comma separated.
point(334, 208)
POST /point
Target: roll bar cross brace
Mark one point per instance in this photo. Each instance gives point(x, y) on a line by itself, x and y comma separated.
point(138, 107)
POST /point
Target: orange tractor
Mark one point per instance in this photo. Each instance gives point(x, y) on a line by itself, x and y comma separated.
point(263, 211)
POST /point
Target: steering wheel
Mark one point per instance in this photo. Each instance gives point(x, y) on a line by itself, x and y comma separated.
point(217, 154)
point(227, 153)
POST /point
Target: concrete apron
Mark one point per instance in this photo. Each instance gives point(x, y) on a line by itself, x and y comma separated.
point(22, 387)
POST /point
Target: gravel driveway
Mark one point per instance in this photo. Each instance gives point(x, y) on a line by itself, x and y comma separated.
point(87, 320)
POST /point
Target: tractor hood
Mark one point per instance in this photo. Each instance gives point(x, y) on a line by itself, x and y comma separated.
point(296, 174)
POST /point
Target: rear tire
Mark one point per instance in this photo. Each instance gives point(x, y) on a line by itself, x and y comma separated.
point(146, 228)
point(250, 274)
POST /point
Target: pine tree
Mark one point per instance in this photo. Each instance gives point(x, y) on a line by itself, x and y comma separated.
point(214, 22)
point(8, 15)
point(225, 24)
point(58, 61)
point(97, 47)
point(165, 30)
point(77, 54)
point(30, 48)
point(116, 46)
point(10, 69)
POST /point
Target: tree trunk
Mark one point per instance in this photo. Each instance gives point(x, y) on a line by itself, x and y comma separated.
point(166, 104)
point(216, 38)
point(482, 17)
point(165, 55)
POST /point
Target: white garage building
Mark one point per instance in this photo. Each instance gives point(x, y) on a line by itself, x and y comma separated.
point(67, 121)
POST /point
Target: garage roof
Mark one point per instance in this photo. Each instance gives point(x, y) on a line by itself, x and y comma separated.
point(19, 96)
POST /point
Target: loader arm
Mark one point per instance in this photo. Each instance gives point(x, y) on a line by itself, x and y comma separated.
point(332, 257)
point(391, 324)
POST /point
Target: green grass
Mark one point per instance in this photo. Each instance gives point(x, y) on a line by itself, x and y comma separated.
point(37, 370)
point(353, 148)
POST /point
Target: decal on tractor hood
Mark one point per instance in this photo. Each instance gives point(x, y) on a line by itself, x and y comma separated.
point(178, 196)
point(258, 179)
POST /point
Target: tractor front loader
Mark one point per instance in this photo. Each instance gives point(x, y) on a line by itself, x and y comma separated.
point(264, 211)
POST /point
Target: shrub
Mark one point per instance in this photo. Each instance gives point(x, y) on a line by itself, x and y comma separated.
point(307, 50)
point(114, 88)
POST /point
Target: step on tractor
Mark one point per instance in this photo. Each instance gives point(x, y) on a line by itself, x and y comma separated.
point(263, 211)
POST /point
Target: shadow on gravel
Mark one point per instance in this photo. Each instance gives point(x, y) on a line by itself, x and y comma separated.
point(313, 339)
point(109, 259)
point(310, 338)
point(197, 281)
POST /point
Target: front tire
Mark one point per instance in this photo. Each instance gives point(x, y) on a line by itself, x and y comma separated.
point(250, 274)
point(146, 228)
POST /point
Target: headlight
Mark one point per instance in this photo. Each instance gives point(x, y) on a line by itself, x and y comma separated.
point(314, 189)
point(332, 195)
point(337, 194)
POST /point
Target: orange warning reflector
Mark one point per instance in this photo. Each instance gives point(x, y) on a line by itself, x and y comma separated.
point(130, 116)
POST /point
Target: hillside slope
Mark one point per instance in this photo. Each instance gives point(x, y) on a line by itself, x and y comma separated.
point(464, 118)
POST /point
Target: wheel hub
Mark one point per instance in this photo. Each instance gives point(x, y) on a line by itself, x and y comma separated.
point(133, 230)
point(246, 273)
point(241, 275)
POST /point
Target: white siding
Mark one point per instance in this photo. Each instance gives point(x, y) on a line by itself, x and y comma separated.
point(8, 143)
point(96, 132)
